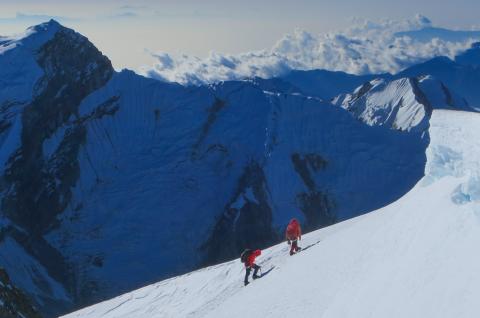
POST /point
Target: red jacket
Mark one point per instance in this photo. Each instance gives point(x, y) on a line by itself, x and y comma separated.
point(251, 258)
point(293, 231)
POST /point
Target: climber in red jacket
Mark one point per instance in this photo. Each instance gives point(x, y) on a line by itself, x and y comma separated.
point(293, 234)
point(248, 257)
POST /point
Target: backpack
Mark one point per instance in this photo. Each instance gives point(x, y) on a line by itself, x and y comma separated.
point(245, 254)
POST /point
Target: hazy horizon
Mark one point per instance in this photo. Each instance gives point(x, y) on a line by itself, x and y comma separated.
point(130, 31)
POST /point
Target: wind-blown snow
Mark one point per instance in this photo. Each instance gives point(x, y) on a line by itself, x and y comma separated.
point(366, 47)
point(415, 258)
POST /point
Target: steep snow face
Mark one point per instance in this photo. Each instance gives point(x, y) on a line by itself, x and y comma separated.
point(20, 70)
point(19, 73)
point(413, 258)
point(404, 104)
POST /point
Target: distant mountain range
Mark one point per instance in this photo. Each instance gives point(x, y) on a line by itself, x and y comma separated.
point(461, 75)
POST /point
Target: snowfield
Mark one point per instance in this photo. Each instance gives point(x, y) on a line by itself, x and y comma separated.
point(417, 257)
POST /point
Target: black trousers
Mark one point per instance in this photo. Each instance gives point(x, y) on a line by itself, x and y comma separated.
point(248, 269)
point(294, 247)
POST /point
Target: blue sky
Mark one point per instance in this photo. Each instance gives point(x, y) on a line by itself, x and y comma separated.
point(128, 30)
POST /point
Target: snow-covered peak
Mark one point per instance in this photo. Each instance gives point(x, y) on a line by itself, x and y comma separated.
point(32, 38)
point(19, 69)
point(49, 27)
point(404, 104)
point(44, 76)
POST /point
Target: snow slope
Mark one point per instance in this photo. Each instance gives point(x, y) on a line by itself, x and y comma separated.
point(404, 104)
point(414, 258)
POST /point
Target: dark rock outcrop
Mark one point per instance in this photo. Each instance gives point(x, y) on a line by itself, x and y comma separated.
point(316, 205)
point(37, 187)
point(13, 302)
point(246, 221)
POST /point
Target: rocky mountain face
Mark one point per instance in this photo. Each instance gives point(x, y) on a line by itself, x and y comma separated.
point(36, 188)
point(13, 302)
point(111, 180)
point(461, 75)
point(405, 104)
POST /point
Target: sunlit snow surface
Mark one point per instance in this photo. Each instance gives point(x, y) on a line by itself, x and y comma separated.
point(414, 258)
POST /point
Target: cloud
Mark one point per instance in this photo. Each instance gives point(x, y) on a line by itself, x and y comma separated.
point(35, 18)
point(365, 47)
point(133, 7)
point(122, 15)
point(131, 11)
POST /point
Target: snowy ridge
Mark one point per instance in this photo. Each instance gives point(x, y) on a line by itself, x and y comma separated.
point(403, 104)
point(20, 74)
point(406, 253)
point(20, 71)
